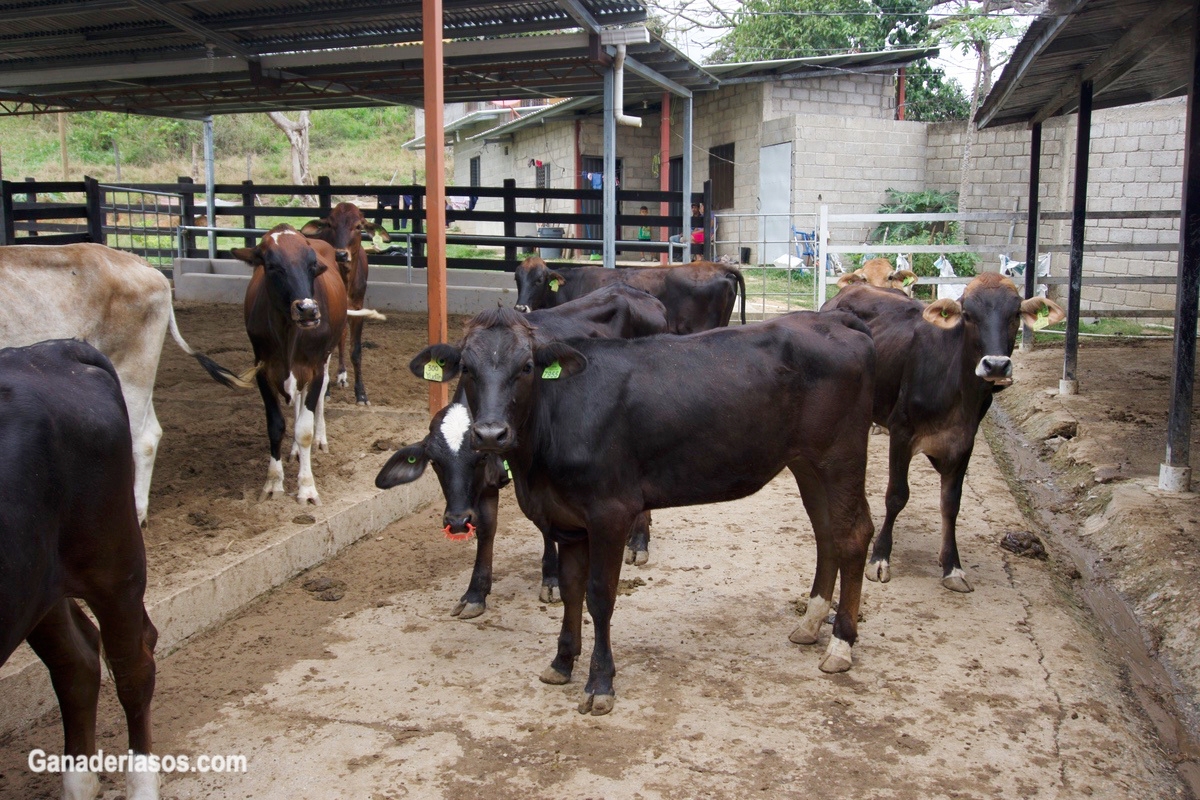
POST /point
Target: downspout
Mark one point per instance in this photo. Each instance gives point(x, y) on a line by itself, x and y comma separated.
point(619, 92)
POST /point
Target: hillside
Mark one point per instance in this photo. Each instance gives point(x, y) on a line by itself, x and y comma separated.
point(350, 146)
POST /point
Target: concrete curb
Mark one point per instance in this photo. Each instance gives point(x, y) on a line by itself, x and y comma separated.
point(209, 599)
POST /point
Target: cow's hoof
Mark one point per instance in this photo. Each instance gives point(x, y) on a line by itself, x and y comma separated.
point(804, 634)
point(141, 785)
point(956, 581)
point(879, 571)
point(636, 557)
point(343, 380)
point(837, 658)
point(308, 494)
point(597, 704)
point(271, 491)
point(553, 677)
point(323, 445)
point(877, 429)
point(362, 401)
point(80, 785)
point(549, 594)
point(465, 610)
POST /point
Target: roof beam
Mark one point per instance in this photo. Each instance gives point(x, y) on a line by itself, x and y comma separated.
point(1138, 43)
point(186, 23)
point(581, 15)
point(659, 80)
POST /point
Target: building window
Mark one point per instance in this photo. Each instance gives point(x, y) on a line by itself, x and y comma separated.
point(720, 172)
point(542, 179)
point(475, 161)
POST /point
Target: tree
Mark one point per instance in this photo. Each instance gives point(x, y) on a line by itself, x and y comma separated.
point(297, 134)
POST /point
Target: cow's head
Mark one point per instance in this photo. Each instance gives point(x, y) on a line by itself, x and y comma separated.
point(501, 362)
point(344, 229)
point(290, 266)
point(462, 471)
point(991, 313)
point(878, 272)
point(536, 282)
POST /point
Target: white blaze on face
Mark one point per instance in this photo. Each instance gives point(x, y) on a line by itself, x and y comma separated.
point(455, 425)
point(277, 234)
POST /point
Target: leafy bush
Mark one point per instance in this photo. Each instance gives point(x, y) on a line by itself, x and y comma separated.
point(929, 201)
point(141, 140)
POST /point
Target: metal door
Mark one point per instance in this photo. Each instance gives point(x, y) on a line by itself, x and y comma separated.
point(775, 201)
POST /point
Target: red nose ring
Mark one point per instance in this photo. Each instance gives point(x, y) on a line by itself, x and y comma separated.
point(459, 537)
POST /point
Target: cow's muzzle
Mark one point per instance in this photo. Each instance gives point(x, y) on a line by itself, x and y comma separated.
point(306, 313)
point(459, 524)
point(521, 308)
point(492, 437)
point(343, 256)
point(995, 369)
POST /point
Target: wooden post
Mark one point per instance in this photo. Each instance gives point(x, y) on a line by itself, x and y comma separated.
point(901, 80)
point(95, 219)
point(31, 198)
point(1070, 381)
point(1031, 228)
point(324, 196)
point(664, 166)
point(435, 188)
point(418, 226)
point(8, 227)
point(510, 220)
point(187, 213)
point(708, 223)
point(248, 217)
point(62, 142)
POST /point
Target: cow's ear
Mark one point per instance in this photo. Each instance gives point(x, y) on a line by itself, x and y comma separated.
point(251, 255)
point(944, 313)
point(373, 230)
point(558, 360)
point(1038, 312)
point(903, 277)
point(850, 278)
point(557, 276)
point(496, 471)
point(314, 226)
point(405, 466)
point(438, 363)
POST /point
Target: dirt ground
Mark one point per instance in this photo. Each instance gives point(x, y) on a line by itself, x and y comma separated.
point(1012, 691)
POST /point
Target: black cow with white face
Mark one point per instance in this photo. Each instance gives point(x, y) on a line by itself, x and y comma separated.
point(598, 431)
point(937, 369)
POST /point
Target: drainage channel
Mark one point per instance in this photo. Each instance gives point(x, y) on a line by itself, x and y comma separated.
point(1158, 695)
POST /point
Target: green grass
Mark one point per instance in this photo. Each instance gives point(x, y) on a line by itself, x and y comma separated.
point(1112, 327)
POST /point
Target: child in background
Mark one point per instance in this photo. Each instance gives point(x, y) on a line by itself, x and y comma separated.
point(644, 235)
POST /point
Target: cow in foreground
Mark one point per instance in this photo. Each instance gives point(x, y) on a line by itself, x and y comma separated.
point(114, 301)
point(699, 296)
point(295, 311)
point(471, 481)
point(598, 431)
point(880, 273)
point(69, 529)
point(343, 230)
point(937, 369)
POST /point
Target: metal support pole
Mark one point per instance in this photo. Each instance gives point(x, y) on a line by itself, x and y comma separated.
point(1175, 474)
point(435, 186)
point(1031, 228)
point(819, 267)
point(609, 201)
point(686, 236)
point(664, 162)
point(1070, 382)
point(210, 179)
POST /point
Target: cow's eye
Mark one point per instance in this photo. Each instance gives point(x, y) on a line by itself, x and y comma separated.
point(464, 369)
point(528, 367)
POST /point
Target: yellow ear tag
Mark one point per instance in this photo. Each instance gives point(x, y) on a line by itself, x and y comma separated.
point(554, 284)
point(552, 372)
point(945, 313)
point(1043, 319)
point(433, 371)
point(908, 280)
point(377, 240)
point(507, 471)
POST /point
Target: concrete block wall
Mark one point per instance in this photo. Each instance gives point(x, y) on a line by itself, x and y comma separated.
point(855, 95)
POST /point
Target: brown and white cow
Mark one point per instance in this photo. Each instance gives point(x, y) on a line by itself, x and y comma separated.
point(116, 302)
point(343, 229)
point(937, 369)
point(597, 431)
point(699, 296)
point(68, 531)
point(295, 312)
point(880, 273)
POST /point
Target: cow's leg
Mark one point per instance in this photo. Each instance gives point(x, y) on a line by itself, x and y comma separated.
point(342, 378)
point(146, 433)
point(637, 547)
point(572, 578)
point(360, 391)
point(899, 456)
point(320, 437)
point(129, 639)
point(275, 427)
point(474, 602)
point(953, 471)
point(606, 539)
point(549, 593)
point(69, 644)
point(306, 401)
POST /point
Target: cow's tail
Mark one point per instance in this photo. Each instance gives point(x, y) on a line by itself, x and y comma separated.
point(220, 374)
point(366, 313)
point(741, 280)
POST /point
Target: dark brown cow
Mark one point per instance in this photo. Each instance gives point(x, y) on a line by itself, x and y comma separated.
point(937, 369)
point(295, 313)
point(343, 229)
point(600, 430)
point(699, 296)
point(69, 529)
point(471, 481)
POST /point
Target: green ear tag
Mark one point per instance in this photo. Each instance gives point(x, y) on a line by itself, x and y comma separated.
point(412, 459)
point(909, 280)
point(1043, 319)
point(554, 284)
point(507, 471)
point(433, 371)
point(945, 313)
point(552, 372)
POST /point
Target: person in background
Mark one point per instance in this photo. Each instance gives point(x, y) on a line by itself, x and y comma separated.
point(697, 234)
point(644, 235)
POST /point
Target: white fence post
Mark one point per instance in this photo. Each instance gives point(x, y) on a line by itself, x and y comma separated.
point(822, 243)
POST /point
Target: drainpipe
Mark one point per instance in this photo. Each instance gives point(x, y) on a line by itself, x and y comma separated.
point(619, 92)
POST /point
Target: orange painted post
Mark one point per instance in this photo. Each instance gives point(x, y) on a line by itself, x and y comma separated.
point(664, 165)
point(435, 186)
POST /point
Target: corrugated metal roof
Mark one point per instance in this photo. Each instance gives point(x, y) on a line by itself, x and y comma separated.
point(1133, 51)
point(813, 66)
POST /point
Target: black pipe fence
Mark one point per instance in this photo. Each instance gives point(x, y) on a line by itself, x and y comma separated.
point(146, 218)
